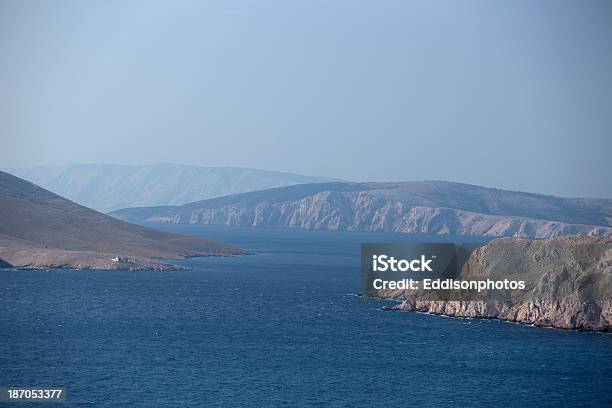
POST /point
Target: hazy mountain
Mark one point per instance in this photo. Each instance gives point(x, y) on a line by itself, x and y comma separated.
point(107, 187)
point(41, 229)
point(423, 207)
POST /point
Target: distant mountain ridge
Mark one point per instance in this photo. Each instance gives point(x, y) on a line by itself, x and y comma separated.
point(107, 187)
point(434, 207)
point(40, 229)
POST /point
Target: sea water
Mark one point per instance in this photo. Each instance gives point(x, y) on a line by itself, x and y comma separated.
point(283, 327)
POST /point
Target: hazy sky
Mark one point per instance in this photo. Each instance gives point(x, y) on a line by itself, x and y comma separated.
point(512, 94)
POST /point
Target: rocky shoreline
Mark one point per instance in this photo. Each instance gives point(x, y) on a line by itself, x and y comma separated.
point(596, 316)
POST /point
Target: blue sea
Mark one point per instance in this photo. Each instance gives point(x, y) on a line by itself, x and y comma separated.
point(284, 327)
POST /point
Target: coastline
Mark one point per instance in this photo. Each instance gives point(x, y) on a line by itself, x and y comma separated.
point(579, 318)
point(104, 262)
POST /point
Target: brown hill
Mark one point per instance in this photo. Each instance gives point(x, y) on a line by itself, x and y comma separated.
point(43, 230)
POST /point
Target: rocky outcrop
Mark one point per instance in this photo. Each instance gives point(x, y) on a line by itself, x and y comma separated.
point(569, 284)
point(370, 207)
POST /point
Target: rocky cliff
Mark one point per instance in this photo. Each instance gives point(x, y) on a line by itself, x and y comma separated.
point(415, 207)
point(569, 284)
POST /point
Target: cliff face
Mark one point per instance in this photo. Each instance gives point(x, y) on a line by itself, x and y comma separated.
point(367, 207)
point(570, 284)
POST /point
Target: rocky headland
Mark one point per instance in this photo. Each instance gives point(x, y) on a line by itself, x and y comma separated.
point(569, 284)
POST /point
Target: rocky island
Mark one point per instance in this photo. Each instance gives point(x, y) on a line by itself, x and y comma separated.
point(40, 229)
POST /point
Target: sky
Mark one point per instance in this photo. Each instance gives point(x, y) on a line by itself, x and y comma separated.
point(514, 95)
